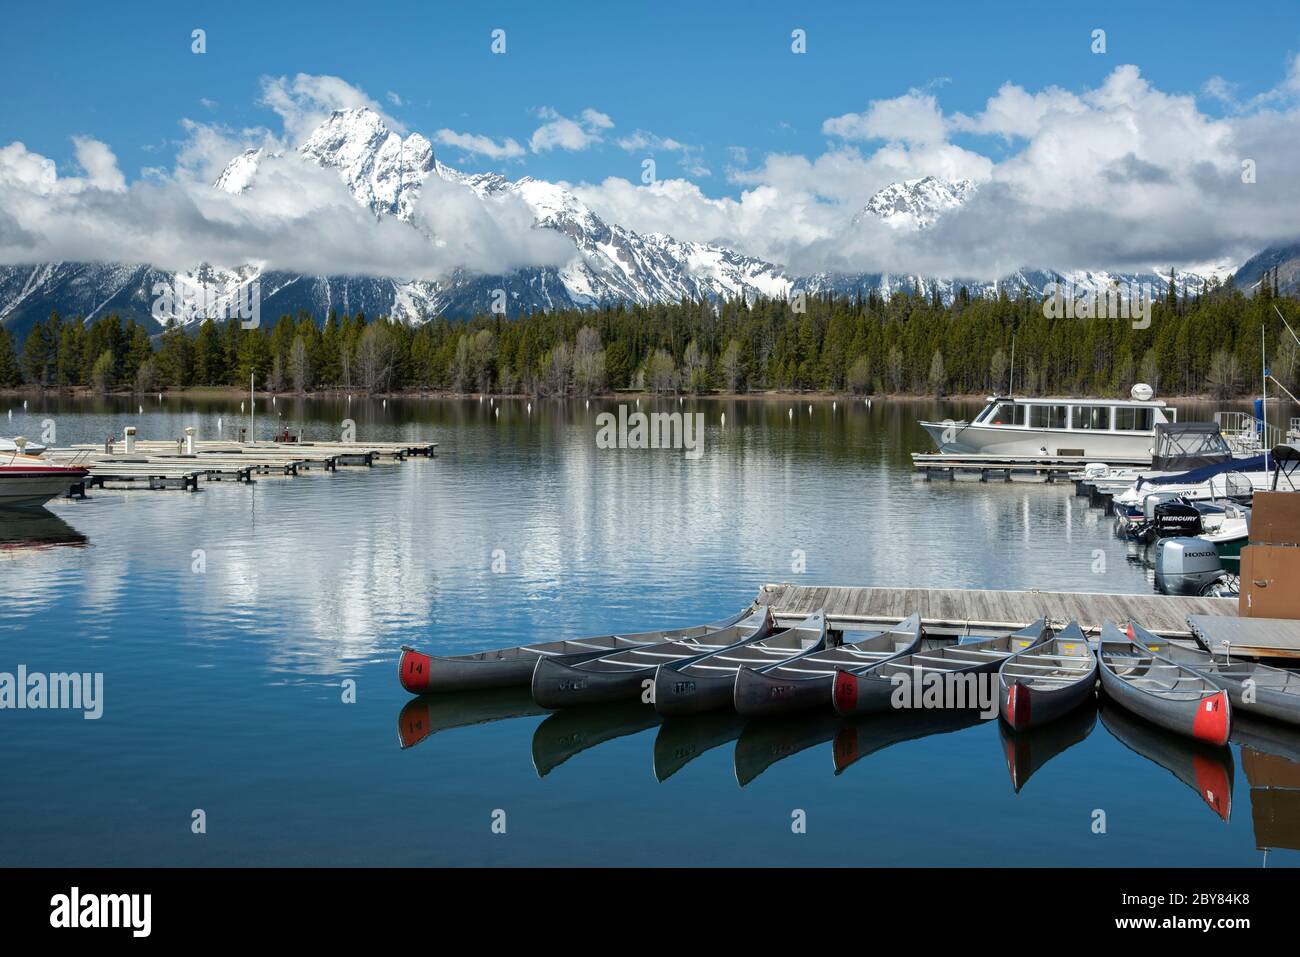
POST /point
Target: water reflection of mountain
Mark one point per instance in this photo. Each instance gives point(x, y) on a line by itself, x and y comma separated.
point(35, 528)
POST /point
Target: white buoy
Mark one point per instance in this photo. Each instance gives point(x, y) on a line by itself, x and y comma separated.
point(24, 405)
point(241, 408)
point(810, 410)
point(11, 415)
point(587, 404)
point(385, 403)
point(497, 413)
point(141, 408)
point(159, 396)
point(218, 425)
point(833, 405)
point(679, 400)
point(638, 403)
point(480, 400)
point(792, 412)
point(530, 408)
point(868, 403)
point(724, 418)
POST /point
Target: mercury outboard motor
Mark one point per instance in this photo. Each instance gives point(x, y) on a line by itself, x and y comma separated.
point(1186, 566)
point(1150, 502)
point(1176, 519)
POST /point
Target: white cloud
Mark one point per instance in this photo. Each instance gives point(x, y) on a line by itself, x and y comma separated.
point(645, 140)
point(482, 145)
point(99, 164)
point(562, 132)
point(1120, 176)
point(393, 98)
point(304, 102)
point(1123, 175)
point(176, 220)
point(913, 118)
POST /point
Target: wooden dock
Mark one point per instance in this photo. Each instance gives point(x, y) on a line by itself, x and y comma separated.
point(1255, 637)
point(962, 467)
point(172, 464)
point(956, 608)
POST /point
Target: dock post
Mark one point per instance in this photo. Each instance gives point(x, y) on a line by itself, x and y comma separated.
point(189, 440)
point(128, 435)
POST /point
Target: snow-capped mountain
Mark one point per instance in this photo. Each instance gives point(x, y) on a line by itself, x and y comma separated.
point(386, 173)
point(919, 204)
point(916, 203)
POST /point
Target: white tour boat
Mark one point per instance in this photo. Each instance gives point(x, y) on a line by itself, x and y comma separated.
point(1098, 429)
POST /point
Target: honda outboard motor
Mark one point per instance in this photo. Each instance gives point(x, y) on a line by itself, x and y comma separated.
point(1185, 566)
point(1173, 519)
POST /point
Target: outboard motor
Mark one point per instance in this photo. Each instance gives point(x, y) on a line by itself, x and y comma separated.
point(1186, 566)
point(1154, 499)
point(1176, 519)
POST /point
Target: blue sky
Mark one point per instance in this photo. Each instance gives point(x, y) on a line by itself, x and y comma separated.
point(712, 75)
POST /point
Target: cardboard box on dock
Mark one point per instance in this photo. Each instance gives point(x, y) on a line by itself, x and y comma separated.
point(1270, 581)
point(1275, 518)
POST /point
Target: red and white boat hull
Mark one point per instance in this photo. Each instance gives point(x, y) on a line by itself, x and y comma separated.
point(26, 486)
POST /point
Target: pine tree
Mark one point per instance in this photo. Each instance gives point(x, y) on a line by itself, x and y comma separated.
point(11, 373)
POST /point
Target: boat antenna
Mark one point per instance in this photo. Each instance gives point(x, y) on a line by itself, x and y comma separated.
point(1263, 411)
point(1011, 377)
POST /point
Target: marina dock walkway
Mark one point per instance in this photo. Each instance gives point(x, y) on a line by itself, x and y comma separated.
point(174, 464)
point(957, 608)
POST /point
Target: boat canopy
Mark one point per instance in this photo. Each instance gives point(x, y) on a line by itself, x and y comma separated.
point(1188, 445)
point(1256, 463)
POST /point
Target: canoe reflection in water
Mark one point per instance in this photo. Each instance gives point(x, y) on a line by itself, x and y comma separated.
point(1270, 750)
point(1027, 751)
point(1206, 769)
point(23, 529)
point(428, 714)
point(574, 730)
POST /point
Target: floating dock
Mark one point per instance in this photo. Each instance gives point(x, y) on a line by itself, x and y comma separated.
point(164, 464)
point(1008, 468)
point(955, 609)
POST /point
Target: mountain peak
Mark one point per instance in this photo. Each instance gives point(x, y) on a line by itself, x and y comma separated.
point(916, 203)
point(239, 172)
point(383, 170)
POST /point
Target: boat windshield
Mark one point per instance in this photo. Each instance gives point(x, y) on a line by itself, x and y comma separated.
point(1188, 445)
point(1005, 413)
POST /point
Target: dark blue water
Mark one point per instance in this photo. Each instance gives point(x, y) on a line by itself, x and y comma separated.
point(225, 689)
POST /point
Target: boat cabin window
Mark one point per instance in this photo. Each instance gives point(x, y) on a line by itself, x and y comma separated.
point(1007, 413)
point(1092, 417)
point(1048, 416)
point(1129, 419)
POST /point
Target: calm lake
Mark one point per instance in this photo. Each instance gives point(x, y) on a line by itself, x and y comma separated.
point(233, 626)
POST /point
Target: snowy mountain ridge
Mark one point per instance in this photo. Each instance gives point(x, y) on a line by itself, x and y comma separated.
point(386, 174)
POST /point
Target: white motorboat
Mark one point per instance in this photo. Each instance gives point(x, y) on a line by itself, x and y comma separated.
point(1236, 478)
point(27, 481)
point(1099, 429)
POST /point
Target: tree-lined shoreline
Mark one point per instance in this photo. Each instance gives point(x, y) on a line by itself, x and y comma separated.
point(1208, 344)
